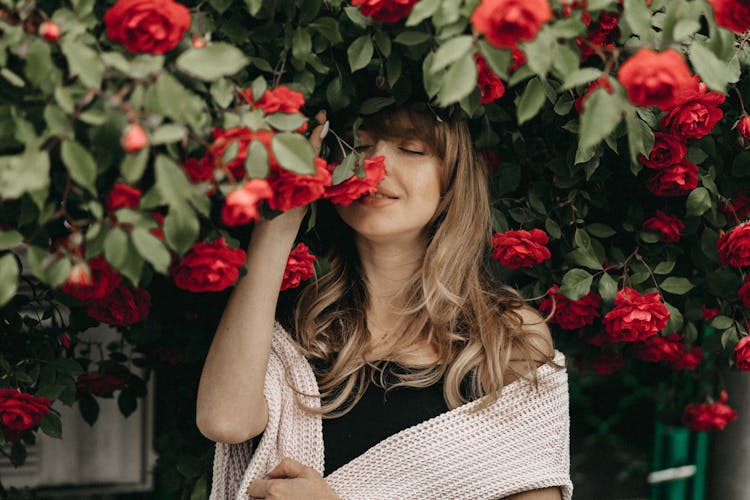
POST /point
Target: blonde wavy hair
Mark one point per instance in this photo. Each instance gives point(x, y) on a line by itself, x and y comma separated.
point(451, 302)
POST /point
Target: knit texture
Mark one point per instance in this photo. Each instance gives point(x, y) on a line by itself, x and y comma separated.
point(519, 443)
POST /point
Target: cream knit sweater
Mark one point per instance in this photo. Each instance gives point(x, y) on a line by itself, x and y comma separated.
point(519, 443)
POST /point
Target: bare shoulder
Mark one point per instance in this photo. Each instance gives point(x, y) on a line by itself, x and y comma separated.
point(540, 336)
point(534, 350)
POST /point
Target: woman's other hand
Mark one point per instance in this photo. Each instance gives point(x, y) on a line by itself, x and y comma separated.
point(290, 480)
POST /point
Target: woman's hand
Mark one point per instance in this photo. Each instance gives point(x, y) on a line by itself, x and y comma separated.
point(290, 480)
point(292, 219)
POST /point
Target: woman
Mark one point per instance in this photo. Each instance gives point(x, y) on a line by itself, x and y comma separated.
point(407, 304)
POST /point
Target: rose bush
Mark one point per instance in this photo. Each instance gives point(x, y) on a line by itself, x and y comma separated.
point(141, 139)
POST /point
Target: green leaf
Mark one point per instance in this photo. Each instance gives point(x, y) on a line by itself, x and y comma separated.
point(328, 27)
point(171, 181)
point(221, 6)
point(253, 6)
point(89, 409)
point(169, 133)
point(181, 228)
point(580, 77)
point(52, 426)
point(9, 239)
point(412, 37)
point(286, 122)
point(84, 62)
point(256, 162)
point(698, 201)
point(8, 278)
point(24, 173)
point(601, 114)
point(294, 153)
point(664, 267)
point(360, 52)
point(497, 59)
point(423, 10)
point(212, 61)
point(730, 338)
point(116, 247)
point(133, 165)
point(552, 228)
point(721, 322)
point(451, 51)
point(151, 249)
point(80, 164)
point(583, 257)
point(127, 403)
point(715, 72)
point(531, 101)
point(540, 52)
point(47, 267)
point(600, 230)
point(607, 288)
point(676, 286)
point(200, 489)
point(640, 138)
point(458, 81)
point(576, 284)
point(638, 17)
point(375, 104)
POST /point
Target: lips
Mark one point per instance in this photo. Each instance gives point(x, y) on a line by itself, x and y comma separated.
point(387, 193)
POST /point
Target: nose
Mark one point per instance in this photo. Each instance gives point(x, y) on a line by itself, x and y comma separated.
point(380, 148)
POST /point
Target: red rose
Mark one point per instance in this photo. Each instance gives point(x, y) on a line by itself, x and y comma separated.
point(199, 170)
point(281, 99)
point(387, 11)
point(668, 149)
point(734, 246)
point(709, 417)
point(514, 249)
point(491, 86)
point(709, 312)
point(103, 281)
point(696, 115)
point(100, 384)
point(743, 126)
point(738, 208)
point(601, 82)
point(607, 362)
point(688, 360)
point(635, 316)
point(124, 306)
point(20, 412)
point(603, 33)
point(657, 348)
point(742, 353)
point(597, 338)
point(64, 340)
point(154, 26)
point(744, 292)
point(656, 79)
point(732, 14)
point(506, 22)
point(50, 31)
point(123, 196)
point(241, 137)
point(677, 180)
point(134, 138)
point(352, 188)
point(292, 190)
point(491, 161)
point(570, 314)
point(669, 226)
point(241, 206)
point(209, 267)
point(299, 267)
point(518, 59)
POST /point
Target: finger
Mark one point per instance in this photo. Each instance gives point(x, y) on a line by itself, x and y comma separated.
point(322, 116)
point(316, 138)
point(259, 488)
point(287, 468)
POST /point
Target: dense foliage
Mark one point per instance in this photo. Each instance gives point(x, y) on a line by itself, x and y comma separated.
point(139, 139)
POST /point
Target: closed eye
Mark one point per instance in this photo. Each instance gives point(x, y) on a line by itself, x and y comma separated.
point(363, 147)
point(412, 151)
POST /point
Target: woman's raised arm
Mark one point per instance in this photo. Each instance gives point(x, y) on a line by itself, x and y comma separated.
point(231, 407)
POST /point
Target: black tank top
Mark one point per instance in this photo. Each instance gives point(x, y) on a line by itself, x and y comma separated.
point(376, 416)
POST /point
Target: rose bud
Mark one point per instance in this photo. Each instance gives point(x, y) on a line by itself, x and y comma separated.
point(134, 138)
point(199, 42)
point(49, 31)
point(743, 127)
point(80, 275)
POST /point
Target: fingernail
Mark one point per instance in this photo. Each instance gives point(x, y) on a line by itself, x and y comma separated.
point(324, 132)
